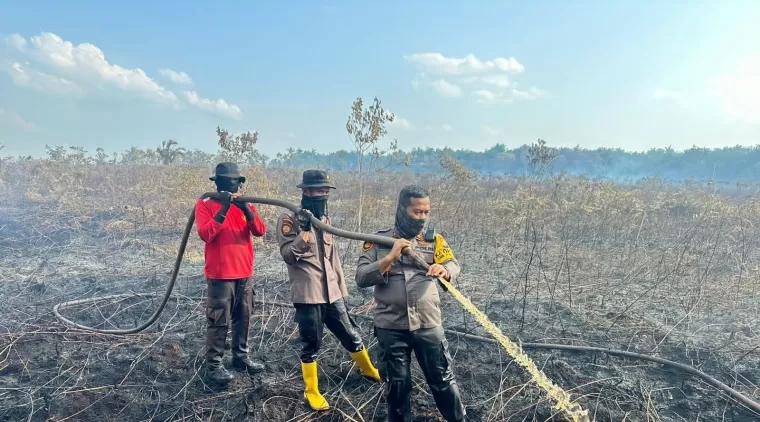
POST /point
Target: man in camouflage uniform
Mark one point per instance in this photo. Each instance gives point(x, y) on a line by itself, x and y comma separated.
point(317, 284)
point(407, 314)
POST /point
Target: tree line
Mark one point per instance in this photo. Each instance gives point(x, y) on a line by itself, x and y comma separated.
point(738, 163)
point(366, 129)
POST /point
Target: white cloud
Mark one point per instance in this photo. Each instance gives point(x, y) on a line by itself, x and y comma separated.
point(16, 41)
point(402, 123)
point(485, 96)
point(447, 127)
point(530, 94)
point(490, 77)
point(739, 90)
point(181, 78)
point(40, 81)
point(14, 119)
point(85, 65)
point(437, 62)
point(86, 62)
point(218, 106)
point(665, 94)
point(500, 81)
point(491, 131)
point(447, 89)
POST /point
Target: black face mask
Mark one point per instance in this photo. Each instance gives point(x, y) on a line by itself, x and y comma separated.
point(316, 204)
point(229, 185)
point(407, 227)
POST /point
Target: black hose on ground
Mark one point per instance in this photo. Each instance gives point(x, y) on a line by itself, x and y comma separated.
point(183, 245)
point(751, 404)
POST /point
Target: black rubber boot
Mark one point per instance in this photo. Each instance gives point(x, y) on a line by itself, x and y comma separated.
point(218, 373)
point(246, 365)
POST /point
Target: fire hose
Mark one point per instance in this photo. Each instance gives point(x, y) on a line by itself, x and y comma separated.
point(561, 398)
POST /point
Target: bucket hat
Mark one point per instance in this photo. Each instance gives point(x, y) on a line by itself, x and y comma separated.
point(316, 179)
point(227, 170)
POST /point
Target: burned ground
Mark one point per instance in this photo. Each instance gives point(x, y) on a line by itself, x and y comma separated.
point(582, 263)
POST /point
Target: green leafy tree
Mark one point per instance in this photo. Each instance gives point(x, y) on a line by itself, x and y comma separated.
point(136, 155)
point(169, 151)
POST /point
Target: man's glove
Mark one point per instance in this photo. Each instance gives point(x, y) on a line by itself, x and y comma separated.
point(304, 220)
point(226, 199)
point(246, 210)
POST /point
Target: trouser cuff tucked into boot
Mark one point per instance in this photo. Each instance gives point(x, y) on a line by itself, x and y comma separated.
point(311, 393)
point(216, 372)
point(365, 365)
point(243, 364)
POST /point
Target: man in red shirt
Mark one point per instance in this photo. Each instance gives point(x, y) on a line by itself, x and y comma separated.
point(226, 228)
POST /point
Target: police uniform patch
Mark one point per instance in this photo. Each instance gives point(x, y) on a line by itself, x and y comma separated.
point(442, 252)
point(287, 226)
point(423, 243)
point(367, 246)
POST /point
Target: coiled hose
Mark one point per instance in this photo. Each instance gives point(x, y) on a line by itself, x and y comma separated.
point(382, 240)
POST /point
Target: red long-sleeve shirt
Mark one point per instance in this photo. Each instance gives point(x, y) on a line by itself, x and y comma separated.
point(229, 250)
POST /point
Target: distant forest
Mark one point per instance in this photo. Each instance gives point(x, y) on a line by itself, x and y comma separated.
point(730, 164)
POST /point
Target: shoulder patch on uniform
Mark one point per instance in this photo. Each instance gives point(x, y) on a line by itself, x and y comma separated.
point(442, 252)
point(367, 246)
point(287, 226)
point(421, 240)
point(440, 239)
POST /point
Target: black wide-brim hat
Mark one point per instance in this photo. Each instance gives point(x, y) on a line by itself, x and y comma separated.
point(227, 170)
point(316, 179)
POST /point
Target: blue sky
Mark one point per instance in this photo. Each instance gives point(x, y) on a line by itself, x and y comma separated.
point(628, 74)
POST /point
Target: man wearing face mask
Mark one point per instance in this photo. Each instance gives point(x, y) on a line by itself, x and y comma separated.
point(226, 228)
point(317, 284)
point(407, 314)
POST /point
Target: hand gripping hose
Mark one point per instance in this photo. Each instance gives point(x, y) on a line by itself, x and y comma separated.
point(561, 398)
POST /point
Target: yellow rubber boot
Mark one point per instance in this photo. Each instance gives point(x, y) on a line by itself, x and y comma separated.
point(365, 365)
point(311, 393)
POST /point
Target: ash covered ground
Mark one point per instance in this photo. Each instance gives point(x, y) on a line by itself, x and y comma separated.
point(49, 372)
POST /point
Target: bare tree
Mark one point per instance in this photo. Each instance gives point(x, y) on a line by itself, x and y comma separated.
point(540, 157)
point(240, 148)
point(366, 128)
point(169, 151)
point(457, 171)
